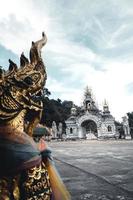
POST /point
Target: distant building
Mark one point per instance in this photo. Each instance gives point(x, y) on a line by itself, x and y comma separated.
point(90, 122)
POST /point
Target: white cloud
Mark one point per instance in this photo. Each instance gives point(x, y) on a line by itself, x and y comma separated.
point(64, 92)
point(90, 47)
point(20, 23)
point(109, 84)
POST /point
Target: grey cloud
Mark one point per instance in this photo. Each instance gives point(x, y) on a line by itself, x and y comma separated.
point(5, 54)
point(90, 23)
point(14, 26)
point(14, 33)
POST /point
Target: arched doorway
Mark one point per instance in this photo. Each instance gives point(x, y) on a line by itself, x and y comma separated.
point(89, 127)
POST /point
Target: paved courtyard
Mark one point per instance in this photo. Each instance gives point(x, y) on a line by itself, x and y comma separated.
point(96, 170)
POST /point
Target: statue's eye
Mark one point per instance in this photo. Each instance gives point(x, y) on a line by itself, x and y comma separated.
point(28, 80)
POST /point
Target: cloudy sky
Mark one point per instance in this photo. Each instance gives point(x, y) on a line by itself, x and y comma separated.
point(89, 43)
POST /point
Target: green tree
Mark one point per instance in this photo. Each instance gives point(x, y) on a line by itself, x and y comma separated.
point(130, 120)
point(46, 92)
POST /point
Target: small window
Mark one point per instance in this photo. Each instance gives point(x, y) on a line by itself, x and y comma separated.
point(71, 130)
point(109, 128)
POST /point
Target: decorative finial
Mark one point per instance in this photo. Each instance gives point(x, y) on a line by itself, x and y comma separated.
point(105, 103)
point(88, 92)
point(106, 106)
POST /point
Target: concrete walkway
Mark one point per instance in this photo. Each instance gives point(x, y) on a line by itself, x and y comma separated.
point(96, 170)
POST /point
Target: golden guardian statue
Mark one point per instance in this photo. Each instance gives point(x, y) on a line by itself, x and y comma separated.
point(26, 169)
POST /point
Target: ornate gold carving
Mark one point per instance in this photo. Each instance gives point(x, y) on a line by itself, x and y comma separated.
point(20, 92)
point(16, 192)
point(19, 88)
point(18, 122)
point(37, 184)
point(8, 188)
point(4, 191)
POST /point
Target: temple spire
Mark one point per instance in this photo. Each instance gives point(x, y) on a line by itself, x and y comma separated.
point(73, 110)
point(88, 92)
point(89, 102)
point(105, 107)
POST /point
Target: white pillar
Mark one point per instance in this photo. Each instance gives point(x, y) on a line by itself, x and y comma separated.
point(80, 132)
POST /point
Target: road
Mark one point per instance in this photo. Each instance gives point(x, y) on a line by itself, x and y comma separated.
point(96, 170)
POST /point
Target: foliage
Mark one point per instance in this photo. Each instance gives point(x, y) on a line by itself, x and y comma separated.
point(55, 110)
point(119, 128)
point(46, 92)
point(130, 120)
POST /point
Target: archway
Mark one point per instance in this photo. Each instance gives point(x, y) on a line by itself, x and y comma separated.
point(89, 127)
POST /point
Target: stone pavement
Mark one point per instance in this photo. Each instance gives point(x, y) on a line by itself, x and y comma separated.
point(96, 170)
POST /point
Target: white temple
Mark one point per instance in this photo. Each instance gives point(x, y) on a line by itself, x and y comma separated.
point(90, 122)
